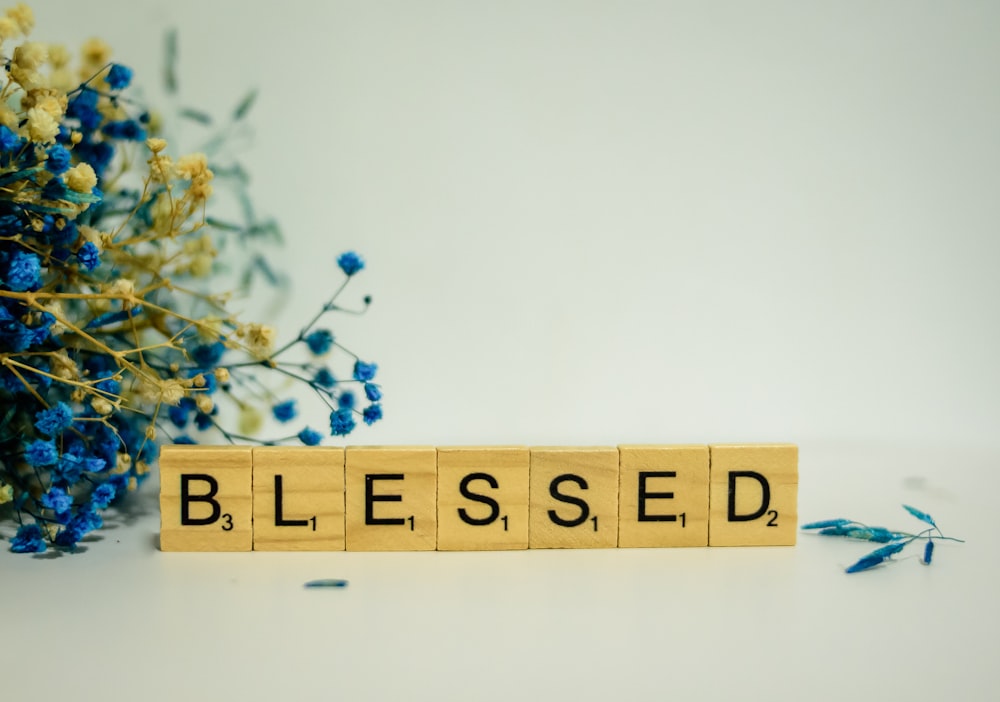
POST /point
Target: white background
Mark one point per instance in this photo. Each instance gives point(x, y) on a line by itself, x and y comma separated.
point(595, 223)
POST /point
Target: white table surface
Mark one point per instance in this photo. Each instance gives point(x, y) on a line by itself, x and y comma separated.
point(124, 620)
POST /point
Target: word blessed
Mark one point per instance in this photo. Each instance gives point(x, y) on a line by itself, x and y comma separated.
point(471, 498)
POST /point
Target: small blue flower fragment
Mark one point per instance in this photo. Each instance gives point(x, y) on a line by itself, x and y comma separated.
point(928, 552)
point(119, 76)
point(922, 516)
point(319, 341)
point(326, 582)
point(826, 523)
point(350, 263)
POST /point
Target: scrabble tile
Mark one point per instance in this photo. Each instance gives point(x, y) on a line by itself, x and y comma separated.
point(298, 498)
point(391, 498)
point(753, 495)
point(206, 499)
point(573, 500)
point(663, 496)
point(482, 498)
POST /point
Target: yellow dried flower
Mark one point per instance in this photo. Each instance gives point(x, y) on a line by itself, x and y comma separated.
point(250, 420)
point(23, 17)
point(222, 374)
point(6, 494)
point(30, 56)
point(204, 403)
point(8, 29)
point(58, 55)
point(43, 127)
point(81, 178)
point(171, 391)
point(95, 52)
point(102, 406)
point(259, 338)
point(192, 165)
point(156, 145)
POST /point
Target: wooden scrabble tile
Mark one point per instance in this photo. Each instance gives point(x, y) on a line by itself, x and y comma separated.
point(482, 498)
point(573, 501)
point(298, 498)
point(391, 498)
point(663, 496)
point(753, 495)
point(206, 500)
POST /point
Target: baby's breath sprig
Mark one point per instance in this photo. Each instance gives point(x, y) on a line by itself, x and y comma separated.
point(110, 340)
point(895, 541)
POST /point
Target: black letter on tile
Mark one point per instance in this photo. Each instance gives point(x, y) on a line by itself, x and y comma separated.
point(463, 488)
point(569, 499)
point(187, 499)
point(765, 495)
point(643, 496)
point(279, 517)
point(371, 498)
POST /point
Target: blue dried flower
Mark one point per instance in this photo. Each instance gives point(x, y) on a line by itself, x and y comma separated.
point(41, 453)
point(865, 563)
point(319, 341)
point(58, 159)
point(310, 437)
point(54, 420)
point(119, 76)
point(89, 256)
point(24, 272)
point(372, 414)
point(342, 422)
point(28, 539)
point(350, 263)
point(284, 411)
point(346, 400)
point(103, 495)
point(373, 392)
point(364, 371)
point(57, 500)
point(9, 141)
point(324, 378)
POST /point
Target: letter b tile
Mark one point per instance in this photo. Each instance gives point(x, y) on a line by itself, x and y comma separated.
point(206, 498)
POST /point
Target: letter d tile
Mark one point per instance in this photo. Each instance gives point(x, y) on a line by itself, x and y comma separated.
point(753, 495)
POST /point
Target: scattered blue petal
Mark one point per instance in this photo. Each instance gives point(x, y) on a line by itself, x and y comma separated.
point(922, 516)
point(827, 523)
point(928, 552)
point(326, 583)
